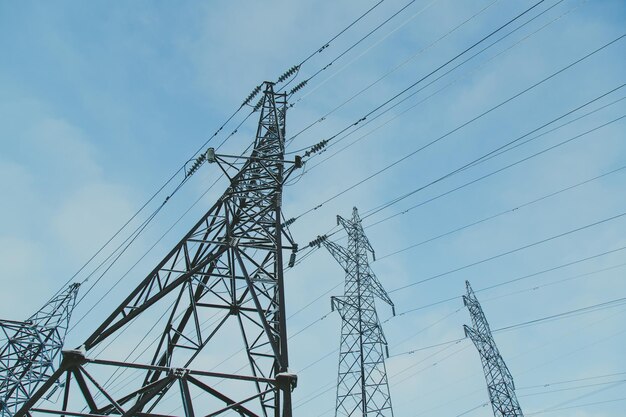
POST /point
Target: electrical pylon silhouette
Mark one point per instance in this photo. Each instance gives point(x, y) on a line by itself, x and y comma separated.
point(221, 291)
point(31, 350)
point(499, 380)
point(362, 388)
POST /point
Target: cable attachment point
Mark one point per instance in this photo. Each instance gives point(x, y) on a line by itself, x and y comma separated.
point(289, 222)
point(208, 156)
point(292, 258)
point(299, 86)
point(288, 73)
point(196, 164)
point(318, 241)
point(253, 94)
point(316, 148)
point(258, 105)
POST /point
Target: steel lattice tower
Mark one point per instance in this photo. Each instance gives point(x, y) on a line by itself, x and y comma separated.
point(30, 350)
point(499, 380)
point(225, 278)
point(362, 388)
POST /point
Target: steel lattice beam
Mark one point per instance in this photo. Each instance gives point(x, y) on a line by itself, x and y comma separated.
point(229, 268)
point(362, 388)
point(499, 380)
point(31, 350)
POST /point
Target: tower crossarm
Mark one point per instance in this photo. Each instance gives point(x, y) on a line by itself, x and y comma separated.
point(341, 254)
point(379, 291)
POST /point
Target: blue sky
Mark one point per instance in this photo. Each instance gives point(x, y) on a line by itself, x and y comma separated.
point(100, 103)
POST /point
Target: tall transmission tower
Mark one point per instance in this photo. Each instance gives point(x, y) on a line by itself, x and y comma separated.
point(362, 388)
point(499, 380)
point(221, 291)
point(30, 350)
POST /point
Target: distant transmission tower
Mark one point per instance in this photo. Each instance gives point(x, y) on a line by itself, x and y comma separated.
point(362, 388)
point(499, 380)
point(220, 290)
point(30, 350)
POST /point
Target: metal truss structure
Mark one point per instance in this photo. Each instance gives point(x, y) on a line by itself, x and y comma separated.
point(362, 388)
point(499, 380)
point(221, 289)
point(30, 350)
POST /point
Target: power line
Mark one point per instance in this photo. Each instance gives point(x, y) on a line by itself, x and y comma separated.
point(451, 343)
point(396, 116)
point(484, 158)
point(354, 45)
point(412, 153)
point(577, 387)
point(345, 29)
point(533, 288)
point(549, 384)
point(502, 213)
point(582, 310)
point(518, 249)
point(420, 51)
point(577, 406)
point(463, 227)
point(517, 279)
point(496, 152)
point(383, 104)
point(560, 357)
point(558, 406)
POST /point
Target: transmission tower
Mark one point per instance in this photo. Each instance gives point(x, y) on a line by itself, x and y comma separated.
point(221, 289)
point(362, 388)
point(499, 380)
point(30, 350)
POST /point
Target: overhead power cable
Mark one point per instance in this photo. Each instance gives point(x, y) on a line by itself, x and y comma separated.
point(588, 378)
point(483, 158)
point(499, 151)
point(458, 298)
point(289, 74)
point(534, 274)
point(336, 139)
point(576, 387)
point(421, 148)
point(415, 55)
point(575, 312)
point(499, 214)
point(579, 406)
point(351, 47)
point(509, 252)
point(447, 345)
point(574, 262)
point(376, 44)
point(327, 44)
point(515, 208)
point(439, 90)
point(405, 90)
point(560, 405)
point(559, 357)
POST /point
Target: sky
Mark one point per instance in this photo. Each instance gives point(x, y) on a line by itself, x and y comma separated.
point(102, 102)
